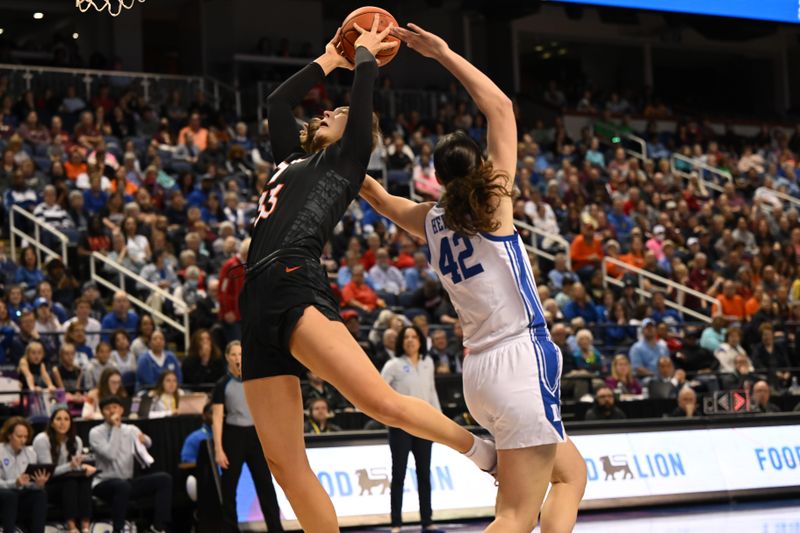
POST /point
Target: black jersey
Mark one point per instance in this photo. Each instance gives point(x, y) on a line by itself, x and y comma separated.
point(308, 194)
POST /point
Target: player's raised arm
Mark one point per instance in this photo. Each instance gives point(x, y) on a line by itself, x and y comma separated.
point(498, 108)
point(283, 129)
point(406, 213)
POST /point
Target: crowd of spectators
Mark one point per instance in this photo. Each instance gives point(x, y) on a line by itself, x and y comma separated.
point(167, 189)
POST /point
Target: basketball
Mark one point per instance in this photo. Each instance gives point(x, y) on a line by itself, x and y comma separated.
point(364, 16)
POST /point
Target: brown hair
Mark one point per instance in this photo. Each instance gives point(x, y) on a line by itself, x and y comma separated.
point(11, 424)
point(103, 389)
point(308, 136)
point(158, 390)
point(194, 345)
point(472, 187)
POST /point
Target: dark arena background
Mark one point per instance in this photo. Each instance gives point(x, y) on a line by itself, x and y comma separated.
point(659, 201)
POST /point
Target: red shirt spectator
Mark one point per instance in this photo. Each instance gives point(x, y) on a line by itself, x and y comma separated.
point(231, 281)
point(358, 294)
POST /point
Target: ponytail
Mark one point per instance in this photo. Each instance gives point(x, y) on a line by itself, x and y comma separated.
point(470, 202)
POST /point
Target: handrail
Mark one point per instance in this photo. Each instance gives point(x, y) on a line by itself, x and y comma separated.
point(642, 154)
point(124, 272)
point(785, 197)
point(534, 246)
point(687, 176)
point(38, 225)
point(98, 72)
point(703, 167)
point(659, 279)
point(216, 84)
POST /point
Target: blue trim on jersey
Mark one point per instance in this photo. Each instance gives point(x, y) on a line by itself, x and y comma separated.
point(545, 352)
point(550, 398)
point(527, 287)
point(499, 238)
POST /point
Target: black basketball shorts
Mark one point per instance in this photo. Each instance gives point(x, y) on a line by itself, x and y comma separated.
point(271, 303)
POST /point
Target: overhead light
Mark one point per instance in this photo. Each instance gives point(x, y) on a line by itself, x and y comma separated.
point(547, 55)
point(38, 15)
point(562, 52)
point(1, 31)
point(75, 35)
point(539, 48)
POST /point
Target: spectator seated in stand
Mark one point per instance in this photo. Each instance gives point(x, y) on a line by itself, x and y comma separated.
point(23, 499)
point(687, 404)
point(667, 381)
point(110, 384)
point(621, 377)
point(760, 398)
point(163, 399)
point(359, 295)
point(603, 407)
point(116, 447)
point(315, 387)
point(204, 363)
point(155, 361)
point(121, 315)
point(319, 416)
point(645, 352)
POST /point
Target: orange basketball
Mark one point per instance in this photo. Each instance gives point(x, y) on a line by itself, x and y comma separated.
point(363, 17)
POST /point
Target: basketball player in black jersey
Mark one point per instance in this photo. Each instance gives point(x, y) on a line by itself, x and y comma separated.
point(290, 318)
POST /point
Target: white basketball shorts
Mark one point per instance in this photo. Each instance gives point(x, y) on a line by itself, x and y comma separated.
point(513, 390)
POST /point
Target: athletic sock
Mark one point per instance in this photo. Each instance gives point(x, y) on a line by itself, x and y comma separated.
point(483, 454)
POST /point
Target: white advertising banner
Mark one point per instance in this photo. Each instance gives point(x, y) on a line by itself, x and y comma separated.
point(621, 468)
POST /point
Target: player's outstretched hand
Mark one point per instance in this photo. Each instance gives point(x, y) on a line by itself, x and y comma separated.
point(424, 42)
point(334, 50)
point(372, 40)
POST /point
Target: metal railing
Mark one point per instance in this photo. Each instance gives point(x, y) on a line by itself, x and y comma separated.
point(677, 164)
point(123, 273)
point(388, 102)
point(642, 274)
point(535, 247)
point(35, 240)
point(640, 145)
point(720, 176)
point(785, 197)
point(28, 77)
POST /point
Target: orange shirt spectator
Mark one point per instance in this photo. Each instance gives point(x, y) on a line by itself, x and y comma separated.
point(731, 304)
point(586, 249)
point(752, 306)
point(199, 133)
point(75, 165)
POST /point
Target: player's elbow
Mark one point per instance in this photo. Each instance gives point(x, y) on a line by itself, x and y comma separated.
point(502, 107)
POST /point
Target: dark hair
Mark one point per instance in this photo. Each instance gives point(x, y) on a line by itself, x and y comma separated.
point(308, 136)
point(472, 187)
point(115, 334)
point(11, 424)
point(310, 403)
point(71, 442)
point(194, 345)
point(398, 347)
point(102, 384)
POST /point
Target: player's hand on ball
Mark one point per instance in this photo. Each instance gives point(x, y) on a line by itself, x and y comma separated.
point(372, 40)
point(334, 50)
point(424, 42)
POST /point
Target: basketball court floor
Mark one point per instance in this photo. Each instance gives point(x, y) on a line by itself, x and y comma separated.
point(753, 517)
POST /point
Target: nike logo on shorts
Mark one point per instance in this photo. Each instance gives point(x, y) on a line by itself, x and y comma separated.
point(291, 269)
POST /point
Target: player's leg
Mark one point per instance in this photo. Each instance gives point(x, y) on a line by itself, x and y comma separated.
point(560, 510)
point(326, 348)
point(523, 475)
point(276, 405)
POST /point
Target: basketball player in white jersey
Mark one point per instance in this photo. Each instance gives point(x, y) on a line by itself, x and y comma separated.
point(513, 370)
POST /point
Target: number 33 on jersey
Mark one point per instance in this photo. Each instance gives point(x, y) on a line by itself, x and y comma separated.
point(269, 198)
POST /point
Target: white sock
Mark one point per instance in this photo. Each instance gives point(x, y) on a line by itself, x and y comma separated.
point(483, 454)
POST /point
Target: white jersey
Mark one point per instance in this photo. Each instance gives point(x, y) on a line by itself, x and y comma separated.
point(490, 282)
